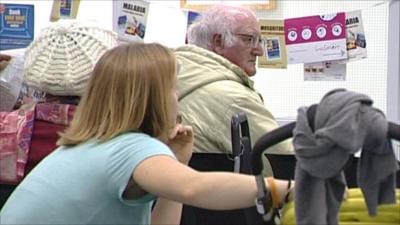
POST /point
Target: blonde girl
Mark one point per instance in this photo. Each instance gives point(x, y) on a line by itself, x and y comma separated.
point(122, 149)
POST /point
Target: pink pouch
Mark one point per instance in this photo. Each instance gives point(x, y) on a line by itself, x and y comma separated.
point(16, 129)
point(55, 113)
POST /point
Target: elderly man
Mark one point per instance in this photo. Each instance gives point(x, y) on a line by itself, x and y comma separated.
point(214, 81)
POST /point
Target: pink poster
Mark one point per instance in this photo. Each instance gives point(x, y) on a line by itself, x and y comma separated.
point(316, 38)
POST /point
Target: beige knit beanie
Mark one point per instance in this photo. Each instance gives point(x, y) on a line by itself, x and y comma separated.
point(61, 59)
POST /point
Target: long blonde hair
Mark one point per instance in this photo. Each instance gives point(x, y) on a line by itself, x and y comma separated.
point(128, 91)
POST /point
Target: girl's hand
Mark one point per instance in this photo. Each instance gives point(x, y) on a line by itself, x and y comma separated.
point(180, 141)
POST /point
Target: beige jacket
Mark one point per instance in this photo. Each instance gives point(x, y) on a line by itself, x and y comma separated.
point(211, 90)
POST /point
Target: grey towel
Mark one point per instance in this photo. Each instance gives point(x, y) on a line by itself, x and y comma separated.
point(344, 122)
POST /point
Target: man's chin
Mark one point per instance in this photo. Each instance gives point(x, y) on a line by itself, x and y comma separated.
point(251, 72)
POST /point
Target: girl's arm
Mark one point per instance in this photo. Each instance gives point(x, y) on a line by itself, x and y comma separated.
point(166, 212)
point(167, 178)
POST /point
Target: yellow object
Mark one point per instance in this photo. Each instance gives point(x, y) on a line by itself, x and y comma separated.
point(365, 223)
point(354, 211)
point(386, 217)
point(289, 217)
point(356, 192)
point(358, 204)
point(64, 9)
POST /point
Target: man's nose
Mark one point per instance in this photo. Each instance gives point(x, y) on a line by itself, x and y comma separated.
point(258, 51)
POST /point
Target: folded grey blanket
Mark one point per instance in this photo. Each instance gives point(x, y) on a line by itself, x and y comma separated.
point(345, 122)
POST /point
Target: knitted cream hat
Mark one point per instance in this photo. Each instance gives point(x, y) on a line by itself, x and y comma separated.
point(60, 60)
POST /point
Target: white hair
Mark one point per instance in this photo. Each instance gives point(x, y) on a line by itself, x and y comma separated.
point(220, 19)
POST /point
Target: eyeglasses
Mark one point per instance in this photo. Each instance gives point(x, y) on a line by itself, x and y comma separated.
point(252, 40)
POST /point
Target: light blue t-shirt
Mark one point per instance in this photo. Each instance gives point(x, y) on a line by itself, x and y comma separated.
point(84, 185)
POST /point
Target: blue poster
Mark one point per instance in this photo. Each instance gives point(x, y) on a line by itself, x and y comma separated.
point(65, 8)
point(16, 26)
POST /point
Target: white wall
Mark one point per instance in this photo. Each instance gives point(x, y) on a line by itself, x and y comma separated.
point(89, 9)
point(285, 90)
point(166, 21)
point(393, 62)
point(393, 81)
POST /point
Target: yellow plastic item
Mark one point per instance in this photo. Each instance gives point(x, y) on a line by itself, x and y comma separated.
point(354, 211)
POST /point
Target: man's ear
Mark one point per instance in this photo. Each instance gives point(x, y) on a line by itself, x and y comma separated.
point(218, 44)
